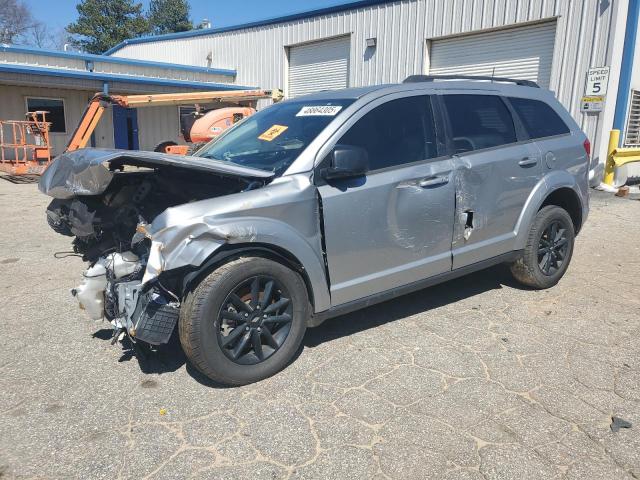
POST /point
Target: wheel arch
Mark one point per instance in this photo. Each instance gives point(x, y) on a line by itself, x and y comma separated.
point(230, 252)
point(567, 199)
point(557, 188)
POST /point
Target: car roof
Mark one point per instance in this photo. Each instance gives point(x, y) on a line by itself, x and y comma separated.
point(379, 90)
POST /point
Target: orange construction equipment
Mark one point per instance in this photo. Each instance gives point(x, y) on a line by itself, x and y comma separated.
point(100, 101)
point(199, 128)
point(213, 123)
point(24, 144)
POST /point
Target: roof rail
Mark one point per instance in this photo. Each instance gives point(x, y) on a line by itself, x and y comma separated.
point(431, 78)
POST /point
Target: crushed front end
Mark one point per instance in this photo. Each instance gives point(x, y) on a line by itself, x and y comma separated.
point(107, 201)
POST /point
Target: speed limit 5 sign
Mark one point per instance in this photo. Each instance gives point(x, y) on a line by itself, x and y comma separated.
point(597, 80)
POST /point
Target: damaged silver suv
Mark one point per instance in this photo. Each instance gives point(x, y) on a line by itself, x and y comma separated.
point(319, 206)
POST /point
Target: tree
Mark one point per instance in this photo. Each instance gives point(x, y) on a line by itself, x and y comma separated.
point(15, 20)
point(42, 36)
point(102, 24)
point(168, 16)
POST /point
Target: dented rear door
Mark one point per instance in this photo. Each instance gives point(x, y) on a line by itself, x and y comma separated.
point(495, 173)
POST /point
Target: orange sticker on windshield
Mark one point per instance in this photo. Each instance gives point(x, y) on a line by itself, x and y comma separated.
point(272, 133)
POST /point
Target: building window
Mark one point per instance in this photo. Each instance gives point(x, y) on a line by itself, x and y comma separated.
point(632, 135)
point(55, 109)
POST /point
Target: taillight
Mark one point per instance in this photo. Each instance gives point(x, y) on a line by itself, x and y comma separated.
point(587, 147)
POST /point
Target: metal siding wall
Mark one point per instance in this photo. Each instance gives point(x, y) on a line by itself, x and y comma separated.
point(402, 28)
point(157, 124)
point(13, 107)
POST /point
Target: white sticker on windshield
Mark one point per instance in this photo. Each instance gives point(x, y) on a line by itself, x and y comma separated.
point(319, 110)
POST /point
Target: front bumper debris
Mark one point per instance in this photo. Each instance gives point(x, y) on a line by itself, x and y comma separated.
point(155, 319)
point(147, 316)
point(112, 289)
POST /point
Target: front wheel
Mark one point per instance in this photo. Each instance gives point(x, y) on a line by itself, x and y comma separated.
point(245, 321)
point(548, 250)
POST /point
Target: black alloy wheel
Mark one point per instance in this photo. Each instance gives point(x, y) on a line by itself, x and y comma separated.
point(548, 249)
point(552, 248)
point(254, 320)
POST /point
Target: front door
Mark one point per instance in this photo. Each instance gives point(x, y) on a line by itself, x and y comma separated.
point(125, 128)
point(495, 175)
point(394, 226)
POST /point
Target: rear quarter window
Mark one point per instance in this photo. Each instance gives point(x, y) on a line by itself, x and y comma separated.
point(539, 119)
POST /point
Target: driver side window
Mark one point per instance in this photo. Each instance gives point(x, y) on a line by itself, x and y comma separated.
point(396, 133)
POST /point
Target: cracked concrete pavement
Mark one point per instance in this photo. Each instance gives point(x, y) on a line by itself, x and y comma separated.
point(473, 379)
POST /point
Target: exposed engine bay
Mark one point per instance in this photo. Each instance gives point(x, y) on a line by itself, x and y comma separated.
point(104, 200)
point(107, 223)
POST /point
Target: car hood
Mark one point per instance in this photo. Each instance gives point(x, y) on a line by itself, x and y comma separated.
point(89, 171)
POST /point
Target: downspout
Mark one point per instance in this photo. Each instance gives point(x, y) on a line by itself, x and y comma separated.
point(626, 68)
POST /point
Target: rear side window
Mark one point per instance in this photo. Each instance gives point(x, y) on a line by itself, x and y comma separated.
point(395, 133)
point(479, 121)
point(538, 118)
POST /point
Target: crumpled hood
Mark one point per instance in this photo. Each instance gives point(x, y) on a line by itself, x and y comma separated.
point(86, 172)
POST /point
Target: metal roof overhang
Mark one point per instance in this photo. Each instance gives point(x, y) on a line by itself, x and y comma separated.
point(109, 78)
point(117, 60)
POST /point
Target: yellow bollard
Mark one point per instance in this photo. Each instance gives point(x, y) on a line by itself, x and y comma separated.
point(610, 166)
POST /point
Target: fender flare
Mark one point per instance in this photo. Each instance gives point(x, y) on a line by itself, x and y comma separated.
point(237, 235)
point(546, 186)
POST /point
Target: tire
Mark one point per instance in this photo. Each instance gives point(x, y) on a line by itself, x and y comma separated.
point(202, 328)
point(527, 269)
point(162, 146)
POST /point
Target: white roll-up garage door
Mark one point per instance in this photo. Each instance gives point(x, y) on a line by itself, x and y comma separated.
point(319, 66)
point(520, 52)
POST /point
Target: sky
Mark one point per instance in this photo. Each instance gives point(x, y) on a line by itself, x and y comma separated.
point(221, 13)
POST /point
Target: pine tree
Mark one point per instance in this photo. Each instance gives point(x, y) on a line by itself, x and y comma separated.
point(168, 16)
point(102, 24)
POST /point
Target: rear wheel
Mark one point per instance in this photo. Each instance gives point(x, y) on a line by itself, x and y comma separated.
point(245, 321)
point(548, 251)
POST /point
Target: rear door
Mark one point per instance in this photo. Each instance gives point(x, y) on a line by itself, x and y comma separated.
point(551, 134)
point(496, 170)
point(393, 226)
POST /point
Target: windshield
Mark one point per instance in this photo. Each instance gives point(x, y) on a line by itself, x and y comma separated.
point(274, 137)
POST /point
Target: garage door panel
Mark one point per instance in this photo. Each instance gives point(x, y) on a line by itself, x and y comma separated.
point(523, 53)
point(319, 66)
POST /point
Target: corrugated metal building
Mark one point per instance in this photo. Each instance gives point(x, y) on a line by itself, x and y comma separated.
point(63, 82)
point(553, 42)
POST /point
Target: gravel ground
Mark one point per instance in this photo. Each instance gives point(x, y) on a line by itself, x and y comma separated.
point(473, 379)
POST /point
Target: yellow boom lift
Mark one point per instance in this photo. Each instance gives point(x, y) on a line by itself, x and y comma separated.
point(101, 101)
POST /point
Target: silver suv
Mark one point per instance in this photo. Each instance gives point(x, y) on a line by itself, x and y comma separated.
point(319, 206)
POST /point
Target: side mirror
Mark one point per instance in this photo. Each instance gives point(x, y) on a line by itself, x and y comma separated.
point(346, 161)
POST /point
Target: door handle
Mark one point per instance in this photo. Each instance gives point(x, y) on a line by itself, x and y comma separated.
point(433, 181)
point(528, 162)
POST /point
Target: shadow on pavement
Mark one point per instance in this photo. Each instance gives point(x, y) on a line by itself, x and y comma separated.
point(170, 357)
point(411, 304)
